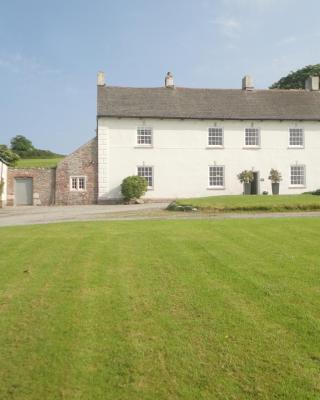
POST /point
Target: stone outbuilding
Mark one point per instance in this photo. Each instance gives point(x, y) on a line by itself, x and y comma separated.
point(73, 182)
point(77, 176)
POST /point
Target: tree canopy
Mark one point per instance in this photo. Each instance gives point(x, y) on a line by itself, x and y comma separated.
point(296, 79)
point(7, 155)
point(25, 149)
point(20, 143)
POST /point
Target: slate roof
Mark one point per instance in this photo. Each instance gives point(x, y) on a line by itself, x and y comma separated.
point(189, 103)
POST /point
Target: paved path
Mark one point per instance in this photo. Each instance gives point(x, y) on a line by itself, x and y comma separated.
point(11, 216)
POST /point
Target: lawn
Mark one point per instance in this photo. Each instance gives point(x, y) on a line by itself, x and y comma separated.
point(38, 162)
point(301, 202)
point(161, 310)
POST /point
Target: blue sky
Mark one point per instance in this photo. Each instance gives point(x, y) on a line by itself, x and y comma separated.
point(50, 52)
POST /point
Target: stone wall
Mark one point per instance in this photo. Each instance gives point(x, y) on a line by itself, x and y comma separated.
point(43, 184)
point(82, 162)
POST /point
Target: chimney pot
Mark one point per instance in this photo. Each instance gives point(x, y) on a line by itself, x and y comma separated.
point(101, 78)
point(169, 83)
point(312, 83)
point(247, 83)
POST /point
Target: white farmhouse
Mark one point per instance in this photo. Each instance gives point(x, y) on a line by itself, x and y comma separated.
point(186, 143)
point(194, 142)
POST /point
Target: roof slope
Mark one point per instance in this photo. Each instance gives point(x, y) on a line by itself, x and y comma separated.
point(208, 103)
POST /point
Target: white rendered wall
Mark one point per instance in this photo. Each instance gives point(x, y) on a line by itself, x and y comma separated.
point(180, 156)
point(3, 175)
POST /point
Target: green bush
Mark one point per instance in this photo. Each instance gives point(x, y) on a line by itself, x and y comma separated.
point(133, 187)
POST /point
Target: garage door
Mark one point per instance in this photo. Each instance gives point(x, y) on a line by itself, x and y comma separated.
point(23, 191)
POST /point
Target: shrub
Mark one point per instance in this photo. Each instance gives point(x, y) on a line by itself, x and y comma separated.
point(133, 187)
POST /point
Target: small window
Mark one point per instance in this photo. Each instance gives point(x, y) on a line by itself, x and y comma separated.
point(146, 172)
point(252, 137)
point(144, 136)
point(216, 176)
point(74, 183)
point(81, 183)
point(78, 183)
point(298, 175)
point(296, 137)
point(215, 137)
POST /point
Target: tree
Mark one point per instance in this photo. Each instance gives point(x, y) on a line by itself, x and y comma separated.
point(8, 155)
point(21, 144)
point(296, 79)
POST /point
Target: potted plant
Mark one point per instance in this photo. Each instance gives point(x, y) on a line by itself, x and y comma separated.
point(246, 177)
point(275, 178)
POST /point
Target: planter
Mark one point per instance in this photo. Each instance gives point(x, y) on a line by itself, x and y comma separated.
point(275, 188)
point(247, 188)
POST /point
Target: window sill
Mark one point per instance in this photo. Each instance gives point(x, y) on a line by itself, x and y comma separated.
point(216, 188)
point(143, 146)
point(297, 186)
point(295, 147)
point(214, 147)
point(251, 147)
point(78, 190)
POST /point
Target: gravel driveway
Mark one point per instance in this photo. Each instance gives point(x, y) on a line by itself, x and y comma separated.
point(27, 215)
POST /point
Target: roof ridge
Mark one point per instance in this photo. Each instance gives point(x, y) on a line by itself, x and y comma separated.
point(208, 89)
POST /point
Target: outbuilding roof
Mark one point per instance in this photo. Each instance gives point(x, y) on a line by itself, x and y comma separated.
point(3, 161)
point(232, 104)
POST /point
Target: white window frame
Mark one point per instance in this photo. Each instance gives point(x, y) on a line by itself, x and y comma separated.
point(215, 146)
point(152, 176)
point(252, 146)
point(296, 146)
point(144, 128)
point(297, 185)
point(77, 188)
point(216, 187)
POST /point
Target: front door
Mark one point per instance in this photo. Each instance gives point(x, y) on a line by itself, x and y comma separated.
point(23, 192)
point(255, 183)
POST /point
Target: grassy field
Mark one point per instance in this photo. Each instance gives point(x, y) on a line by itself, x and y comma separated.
point(38, 162)
point(161, 310)
point(302, 202)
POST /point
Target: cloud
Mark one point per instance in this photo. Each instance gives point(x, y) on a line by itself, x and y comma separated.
point(229, 27)
point(287, 40)
point(252, 3)
point(301, 38)
point(18, 63)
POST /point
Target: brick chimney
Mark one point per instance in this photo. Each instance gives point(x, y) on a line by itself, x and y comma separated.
point(312, 83)
point(169, 81)
point(247, 83)
point(101, 78)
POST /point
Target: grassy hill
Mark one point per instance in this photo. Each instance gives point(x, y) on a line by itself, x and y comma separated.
point(38, 162)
